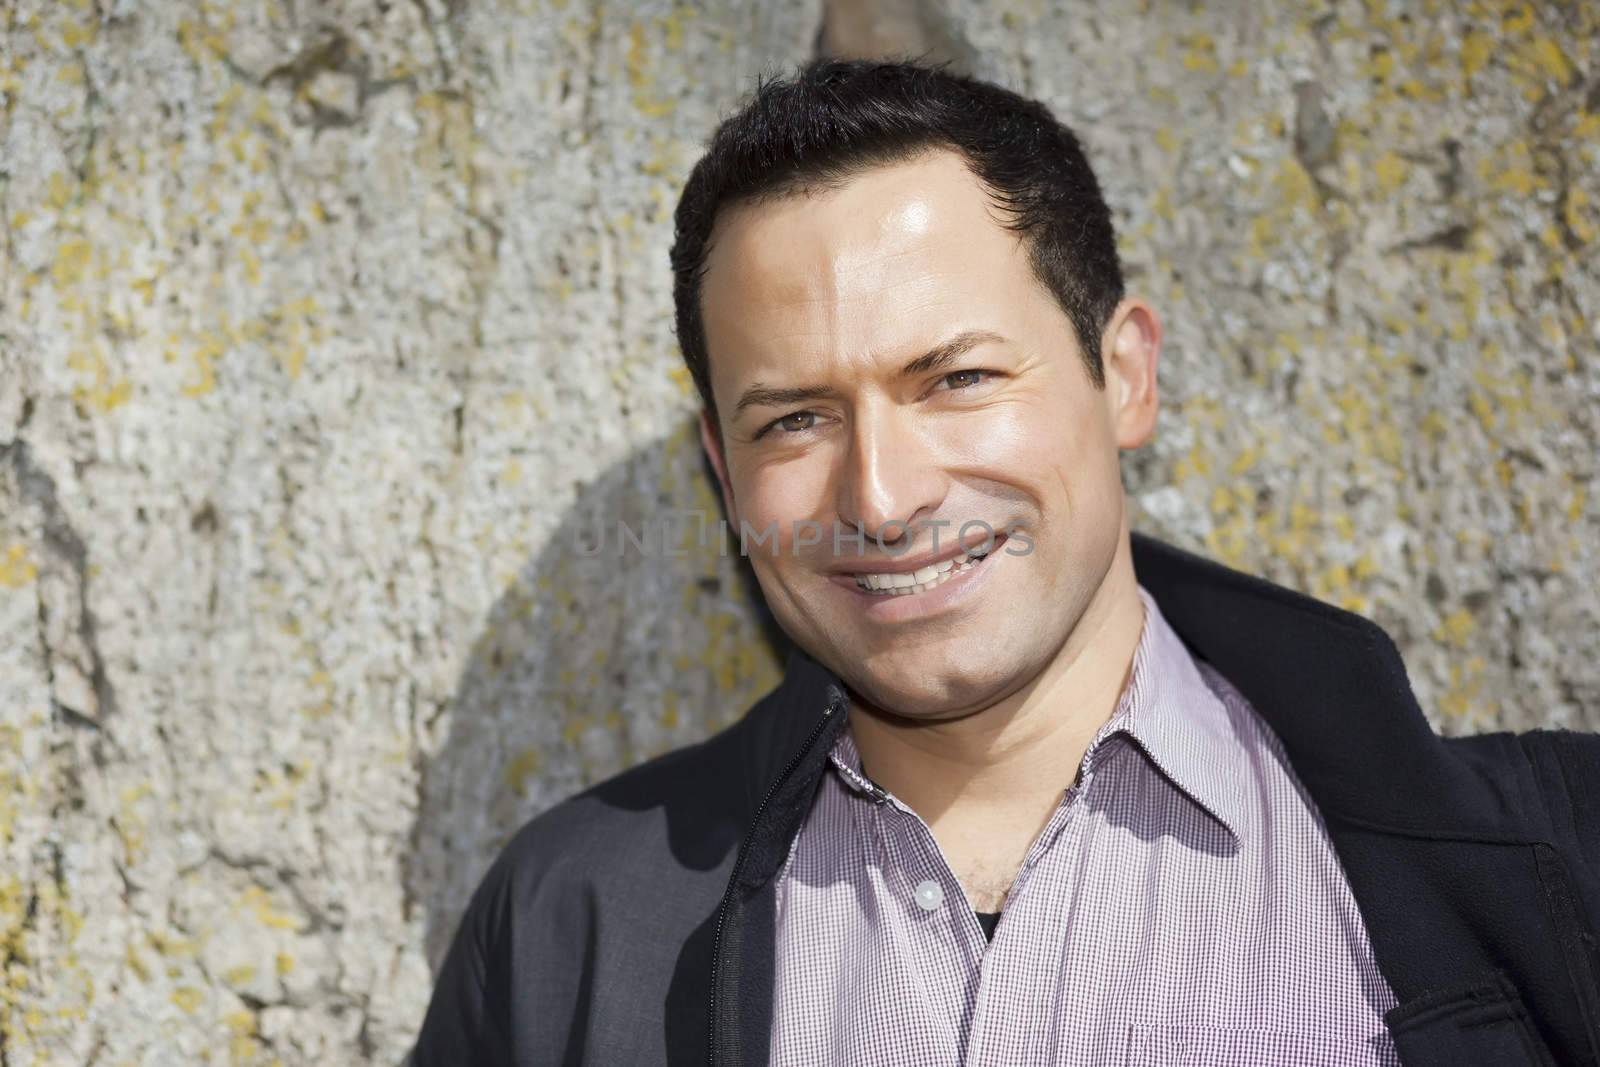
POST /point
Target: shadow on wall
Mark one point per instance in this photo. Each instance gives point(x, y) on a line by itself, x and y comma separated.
point(591, 662)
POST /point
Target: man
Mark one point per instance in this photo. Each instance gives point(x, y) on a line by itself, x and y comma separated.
point(1035, 789)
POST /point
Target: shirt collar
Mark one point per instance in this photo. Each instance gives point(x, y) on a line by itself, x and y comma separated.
point(1167, 706)
point(1181, 723)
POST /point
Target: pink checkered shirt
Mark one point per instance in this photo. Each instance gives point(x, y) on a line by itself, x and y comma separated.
point(1183, 905)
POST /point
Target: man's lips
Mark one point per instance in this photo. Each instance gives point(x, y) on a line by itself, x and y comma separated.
point(911, 564)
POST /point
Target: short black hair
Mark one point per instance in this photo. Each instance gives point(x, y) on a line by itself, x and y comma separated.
point(835, 118)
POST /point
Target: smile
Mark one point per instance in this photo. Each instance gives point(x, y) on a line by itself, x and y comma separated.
point(925, 579)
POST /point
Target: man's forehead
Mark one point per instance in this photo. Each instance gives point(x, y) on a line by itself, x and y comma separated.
point(896, 207)
point(903, 241)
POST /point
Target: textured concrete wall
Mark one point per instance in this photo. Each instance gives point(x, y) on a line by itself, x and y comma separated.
point(326, 330)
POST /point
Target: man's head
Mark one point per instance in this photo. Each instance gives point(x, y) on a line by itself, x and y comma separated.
point(898, 293)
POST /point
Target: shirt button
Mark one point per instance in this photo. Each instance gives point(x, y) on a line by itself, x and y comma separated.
point(929, 894)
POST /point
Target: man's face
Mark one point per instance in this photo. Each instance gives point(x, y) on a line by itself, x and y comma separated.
point(839, 295)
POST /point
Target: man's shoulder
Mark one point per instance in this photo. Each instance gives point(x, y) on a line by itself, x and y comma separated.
point(1541, 748)
point(638, 856)
point(1560, 767)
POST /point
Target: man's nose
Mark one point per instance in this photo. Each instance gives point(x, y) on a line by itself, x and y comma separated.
point(888, 480)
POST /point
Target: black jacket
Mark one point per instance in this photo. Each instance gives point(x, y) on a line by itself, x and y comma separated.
point(633, 923)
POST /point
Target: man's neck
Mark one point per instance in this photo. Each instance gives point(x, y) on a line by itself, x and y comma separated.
point(986, 783)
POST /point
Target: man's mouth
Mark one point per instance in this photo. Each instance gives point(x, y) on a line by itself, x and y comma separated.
point(927, 578)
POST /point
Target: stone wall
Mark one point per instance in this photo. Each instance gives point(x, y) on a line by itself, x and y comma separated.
point(327, 330)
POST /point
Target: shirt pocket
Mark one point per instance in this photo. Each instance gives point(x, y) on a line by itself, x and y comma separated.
point(1225, 1046)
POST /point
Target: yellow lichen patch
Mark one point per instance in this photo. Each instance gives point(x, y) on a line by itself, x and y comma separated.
point(13, 917)
point(1390, 171)
point(1465, 685)
point(1456, 628)
point(169, 946)
point(1545, 56)
point(1221, 500)
point(16, 569)
point(72, 261)
point(238, 976)
point(1196, 464)
point(136, 963)
point(1511, 170)
point(1580, 217)
point(209, 349)
point(1332, 582)
point(573, 729)
point(1476, 48)
point(640, 77)
point(259, 903)
point(1516, 17)
point(1355, 602)
point(1229, 541)
point(673, 23)
point(1295, 186)
point(103, 394)
point(1199, 53)
point(1483, 410)
point(1433, 426)
point(1303, 524)
point(522, 767)
point(188, 998)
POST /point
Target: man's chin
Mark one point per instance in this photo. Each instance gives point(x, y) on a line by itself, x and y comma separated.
point(924, 694)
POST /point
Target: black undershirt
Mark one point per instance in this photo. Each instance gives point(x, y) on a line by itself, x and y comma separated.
point(987, 920)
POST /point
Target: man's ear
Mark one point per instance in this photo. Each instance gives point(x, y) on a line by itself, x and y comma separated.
point(710, 441)
point(1130, 351)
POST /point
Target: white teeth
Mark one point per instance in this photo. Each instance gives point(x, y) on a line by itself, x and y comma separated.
point(921, 580)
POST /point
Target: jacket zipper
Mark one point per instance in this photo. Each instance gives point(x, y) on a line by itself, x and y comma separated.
point(738, 867)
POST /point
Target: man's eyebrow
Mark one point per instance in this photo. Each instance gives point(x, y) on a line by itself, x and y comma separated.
point(938, 357)
point(947, 352)
point(764, 396)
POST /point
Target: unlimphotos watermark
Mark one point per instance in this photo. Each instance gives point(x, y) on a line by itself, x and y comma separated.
point(663, 535)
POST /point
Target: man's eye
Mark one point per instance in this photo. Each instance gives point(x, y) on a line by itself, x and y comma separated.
point(794, 422)
point(963, 379)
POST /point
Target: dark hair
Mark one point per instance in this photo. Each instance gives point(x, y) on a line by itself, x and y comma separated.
point(836, 118)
